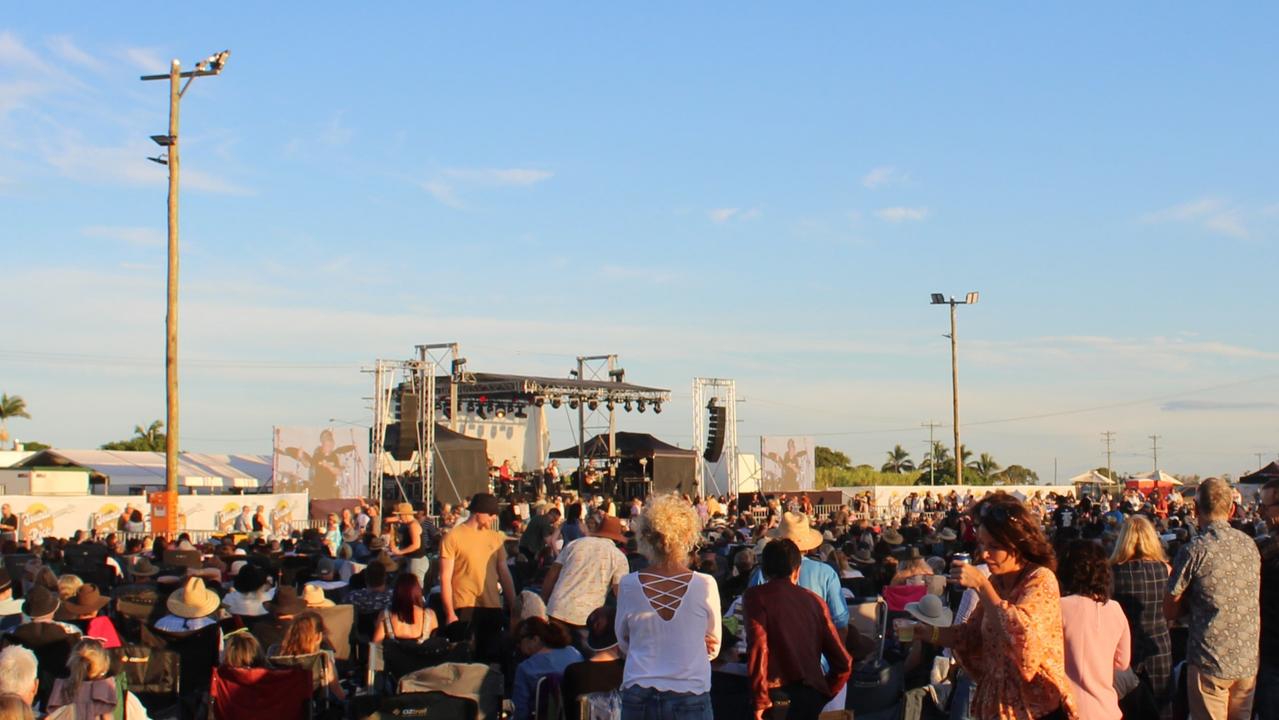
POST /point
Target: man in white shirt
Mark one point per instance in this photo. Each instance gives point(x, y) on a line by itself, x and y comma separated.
point(584, 573)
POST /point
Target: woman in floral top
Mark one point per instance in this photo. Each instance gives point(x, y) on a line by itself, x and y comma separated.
point(1012, 642)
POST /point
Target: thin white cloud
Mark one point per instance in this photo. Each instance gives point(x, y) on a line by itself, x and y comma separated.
point(14, 54)
point(722, 215)
point(883, 176)
point(64, 47)
point(443, 192)
point(500, 176)
point(1213, 214)
point(902, 214)
point(146, 59)
point(135, 236)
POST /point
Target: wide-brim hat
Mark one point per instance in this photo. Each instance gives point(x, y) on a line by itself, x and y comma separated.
point(86, 600)
point(403, 508)
point(892, 537)
point(251, 578)
point(611, 528)
point(193, 600)
point(795, 527)
point(40, 601)
point(861, 556)
point(142, 567)
point(930, 610)
point(386, 561)
point(947, 535)
point(313, 597)
point(286, 602)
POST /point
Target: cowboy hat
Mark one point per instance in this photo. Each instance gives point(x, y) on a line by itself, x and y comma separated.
point(313, 596)
point(251, 578)
point(795, 527)
point(403, 508)
point(142, 567)
point(87, 600)
point(947, 535)
point(930, 610)
point(286, 602)
point(193, 600)
point(611, 528)
point(892, 537)
point(861, 556)
point(40, 602)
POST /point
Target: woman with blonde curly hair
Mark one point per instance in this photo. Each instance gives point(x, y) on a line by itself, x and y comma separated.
point(668, 619)
point(1140, 581)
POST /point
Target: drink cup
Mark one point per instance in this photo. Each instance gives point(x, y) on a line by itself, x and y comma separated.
point(905, 629)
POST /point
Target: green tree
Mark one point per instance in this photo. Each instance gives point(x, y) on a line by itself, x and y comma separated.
point(11, 406)
point(1017, 475)
point(825, 457)
point(985, 466)
point(151, 438)
point(898, 461)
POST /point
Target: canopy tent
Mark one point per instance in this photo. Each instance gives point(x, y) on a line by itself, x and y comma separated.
point(1264, 475)
point(461, 466)
point(1145, 483)
point(1092, 477)
point(630, 446)
point(124, 469)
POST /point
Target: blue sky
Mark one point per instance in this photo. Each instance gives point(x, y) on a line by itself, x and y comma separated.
point(733, 190)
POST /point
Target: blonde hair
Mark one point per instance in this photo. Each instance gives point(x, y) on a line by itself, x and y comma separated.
point(668, 529)
point(88, 662)
point(1137, 541)
point(242, 651)
point(69, 585)
point(304, 636)
point(13, 707)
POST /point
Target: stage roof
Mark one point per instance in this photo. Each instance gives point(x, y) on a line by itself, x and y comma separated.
point(526, 387)
point(629, 445)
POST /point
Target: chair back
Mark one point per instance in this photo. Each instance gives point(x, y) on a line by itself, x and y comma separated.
point(15, 565)
point(315, 664)
point(199, 650)
point(338, 622)
point(899, 596)
point(153, 674)
point(279, 694)
point(51, 661)
point(862, 587)
point(427, 705)
point(548, 698)
point(474, 681)
point(401, 657)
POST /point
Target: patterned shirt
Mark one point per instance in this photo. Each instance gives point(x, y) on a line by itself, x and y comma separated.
point(1218, 576)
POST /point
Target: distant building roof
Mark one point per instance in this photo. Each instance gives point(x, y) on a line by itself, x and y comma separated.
point(128, 468)
point(9, 458)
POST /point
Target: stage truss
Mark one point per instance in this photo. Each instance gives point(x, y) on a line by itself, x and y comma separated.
point(724, 391)
point(390, 379)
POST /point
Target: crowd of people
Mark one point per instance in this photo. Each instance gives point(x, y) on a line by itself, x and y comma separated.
point(985, 605)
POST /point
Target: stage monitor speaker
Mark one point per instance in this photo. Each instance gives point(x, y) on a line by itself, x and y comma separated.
point(674, 474)
point(715, 435)
point(406, 434)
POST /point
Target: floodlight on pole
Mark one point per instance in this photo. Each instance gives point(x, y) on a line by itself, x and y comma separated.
point(211, 66)
point(970, 299)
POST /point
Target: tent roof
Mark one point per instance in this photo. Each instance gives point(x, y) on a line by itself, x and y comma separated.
point(1092, 476)
point(128, 467)
point(1153, 476)
point(446, 437)
point(1265, 474)
point(500, 386)
point(629, 445)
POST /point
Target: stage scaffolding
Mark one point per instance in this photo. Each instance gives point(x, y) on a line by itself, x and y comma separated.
point(391, 380)
point(724, 391)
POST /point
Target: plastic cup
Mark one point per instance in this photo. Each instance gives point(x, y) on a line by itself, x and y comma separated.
point(905, 630)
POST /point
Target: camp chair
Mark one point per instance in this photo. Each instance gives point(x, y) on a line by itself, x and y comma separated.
point(153, 674)
point(283, 694)
point(861, 587)
point(317, 665)
point(338, 621)
point(473, 681)
point(548, 700)
point(199, 650)
point(427, 705)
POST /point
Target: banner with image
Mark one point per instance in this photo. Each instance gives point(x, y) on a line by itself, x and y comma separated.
point(787, 464)
point(325, 462)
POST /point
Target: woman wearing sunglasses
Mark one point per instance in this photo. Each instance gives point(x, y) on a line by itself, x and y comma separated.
point(1012, 642)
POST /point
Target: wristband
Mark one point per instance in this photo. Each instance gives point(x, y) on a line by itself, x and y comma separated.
point(936, 635)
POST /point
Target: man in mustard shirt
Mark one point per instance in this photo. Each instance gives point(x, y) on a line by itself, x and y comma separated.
point(474, 577)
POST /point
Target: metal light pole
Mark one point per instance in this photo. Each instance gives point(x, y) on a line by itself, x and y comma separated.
point(211, 66)
point(971, 299)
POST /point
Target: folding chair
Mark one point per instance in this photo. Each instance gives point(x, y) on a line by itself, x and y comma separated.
point(199, 650)
point(427, 705)
point(283, 694)
point(473, 681)
point(338, 621)
point(548, 701)
point(317, 665)
point(153, 674)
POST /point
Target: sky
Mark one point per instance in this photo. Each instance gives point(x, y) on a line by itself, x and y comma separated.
point(739, 190)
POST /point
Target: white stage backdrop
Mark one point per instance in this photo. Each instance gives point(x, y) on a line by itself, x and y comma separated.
point(788, 464)
point(60, 516)
point(326, 462)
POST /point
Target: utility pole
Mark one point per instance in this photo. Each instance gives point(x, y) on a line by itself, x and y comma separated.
point(971, 299)
point(210, 66)
point(931, 426)
point(1154, 448)
point(1108, 437)
point(1259, 456)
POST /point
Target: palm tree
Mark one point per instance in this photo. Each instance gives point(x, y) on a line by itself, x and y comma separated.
point(898, 461)
point(937, 460)
point(985, 466)
point(150, 437)
point(11, 406)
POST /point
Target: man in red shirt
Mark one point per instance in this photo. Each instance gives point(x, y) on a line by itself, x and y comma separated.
point(788, 631)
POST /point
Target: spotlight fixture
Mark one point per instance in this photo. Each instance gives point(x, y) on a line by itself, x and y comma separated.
point(640, 405)
point(480, 411)
point(626, 406)
point(593, 404)
point(617, 375)
point(610, 405)
point(939, 299)
point(501, 412)
point(470, 406)
point(657, 407)
point(573, 403)
point(556, 402)
point(519, 412)
point(539, 401)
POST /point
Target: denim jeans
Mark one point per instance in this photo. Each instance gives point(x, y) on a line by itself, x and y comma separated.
point(642, 703)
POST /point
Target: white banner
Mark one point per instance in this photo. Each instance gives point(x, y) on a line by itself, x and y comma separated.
point(787, 464)
point(60, 516)
point(325, 462)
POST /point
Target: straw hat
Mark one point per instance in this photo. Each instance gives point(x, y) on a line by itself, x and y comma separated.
point(193, 600)
point(403, 508)
point(795, 527)
point(313, 596)
point(930, 610)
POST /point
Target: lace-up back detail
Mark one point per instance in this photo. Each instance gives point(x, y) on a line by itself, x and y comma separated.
point(664, 594)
